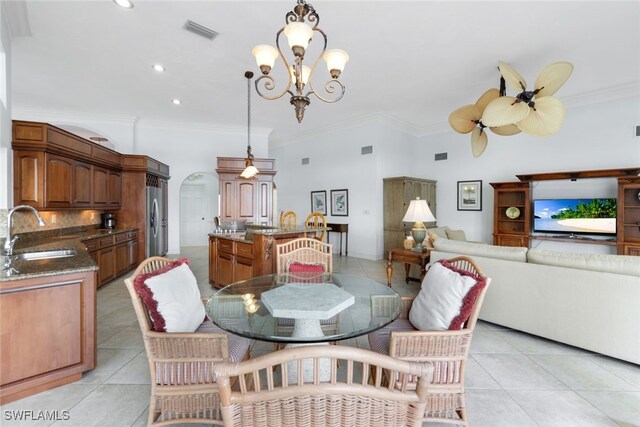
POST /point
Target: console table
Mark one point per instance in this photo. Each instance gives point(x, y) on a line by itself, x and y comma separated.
point(340, 228)
point(408, 257)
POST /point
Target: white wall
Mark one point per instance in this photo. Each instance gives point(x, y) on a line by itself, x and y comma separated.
point(6, 162)
point(596, 136)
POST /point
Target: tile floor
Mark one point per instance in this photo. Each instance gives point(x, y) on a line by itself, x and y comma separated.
point(513, 379)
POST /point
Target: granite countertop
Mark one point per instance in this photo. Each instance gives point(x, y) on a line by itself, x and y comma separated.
point(273, 231)
point(53, 240)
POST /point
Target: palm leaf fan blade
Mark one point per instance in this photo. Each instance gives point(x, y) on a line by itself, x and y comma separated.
point(486, 98)
point(479, 141)
point(546, 119)
point(512, 77)
point(463, 120)
point(552, 78)
point(507, 130)
point(503, 111)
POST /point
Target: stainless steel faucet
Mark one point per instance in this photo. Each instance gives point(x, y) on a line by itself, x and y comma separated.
point(9, 242)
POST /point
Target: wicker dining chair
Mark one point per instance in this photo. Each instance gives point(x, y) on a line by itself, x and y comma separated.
point(446, 349)
point(288, 219)
point(263, 395)
point(183, 384)
point(305, 251)
point(316, 220)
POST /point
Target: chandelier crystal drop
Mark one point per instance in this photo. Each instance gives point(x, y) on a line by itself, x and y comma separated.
point(301, 25)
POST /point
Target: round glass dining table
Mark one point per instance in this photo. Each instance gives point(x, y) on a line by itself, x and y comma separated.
point(304, 307)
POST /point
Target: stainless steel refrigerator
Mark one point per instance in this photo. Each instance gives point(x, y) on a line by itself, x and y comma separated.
point(156, 222)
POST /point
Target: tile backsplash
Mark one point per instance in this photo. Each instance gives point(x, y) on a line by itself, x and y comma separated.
point(25, 221)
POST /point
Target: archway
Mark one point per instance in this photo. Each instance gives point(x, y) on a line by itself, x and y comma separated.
point(199, 204)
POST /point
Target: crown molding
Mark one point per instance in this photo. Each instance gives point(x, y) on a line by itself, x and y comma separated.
point(18, 113)
point(17, 18)
point(603, 95)
point(205, 127)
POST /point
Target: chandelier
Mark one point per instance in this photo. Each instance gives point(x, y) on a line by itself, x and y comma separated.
point(299, 35)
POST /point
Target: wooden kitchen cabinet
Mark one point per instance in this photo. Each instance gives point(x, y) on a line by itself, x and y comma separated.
point(47, 332)
point(54, 169)
point(115, 254)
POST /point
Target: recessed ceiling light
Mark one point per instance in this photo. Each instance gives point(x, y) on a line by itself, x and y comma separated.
point(177, 102)
point(127, 4)
point(158, 67)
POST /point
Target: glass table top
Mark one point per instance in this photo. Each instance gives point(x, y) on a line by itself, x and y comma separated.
point(304, 307)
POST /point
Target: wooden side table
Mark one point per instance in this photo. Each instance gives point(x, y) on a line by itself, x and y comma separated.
point(408, 257)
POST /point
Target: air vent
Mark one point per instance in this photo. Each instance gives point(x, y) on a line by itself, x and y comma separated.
point(637, 130)
point(200, 30)
point(441, 156)
point(305, 161)
point(366, 150)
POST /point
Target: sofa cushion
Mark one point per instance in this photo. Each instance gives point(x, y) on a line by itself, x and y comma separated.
point(305, 267)
point(456, 235)
point(172, 298)
point(621, 264)
point(446, 298)
point(481, 249)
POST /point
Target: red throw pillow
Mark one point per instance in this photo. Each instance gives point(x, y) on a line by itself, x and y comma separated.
point(305, 267)
point(146, 295)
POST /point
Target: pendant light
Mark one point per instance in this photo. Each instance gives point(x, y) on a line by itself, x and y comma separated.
point(250, 171)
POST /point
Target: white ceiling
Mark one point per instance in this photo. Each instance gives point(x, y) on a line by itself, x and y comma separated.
point(415, 61)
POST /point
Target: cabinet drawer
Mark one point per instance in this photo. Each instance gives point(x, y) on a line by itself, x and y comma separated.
point(132, 235)
point(244, 250)
point(91, 245)
point(226, 245)
point(122, 237)
point(103, 242)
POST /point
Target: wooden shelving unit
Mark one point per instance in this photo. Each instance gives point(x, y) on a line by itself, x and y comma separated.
point(628, 221)
point(508, 231)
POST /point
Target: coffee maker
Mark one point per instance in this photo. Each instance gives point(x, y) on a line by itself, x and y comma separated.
point(108, 220)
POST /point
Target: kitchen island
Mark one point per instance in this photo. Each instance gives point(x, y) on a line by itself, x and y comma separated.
point(241, 256)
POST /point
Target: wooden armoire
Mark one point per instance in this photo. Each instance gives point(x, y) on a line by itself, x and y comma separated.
point(398, 193)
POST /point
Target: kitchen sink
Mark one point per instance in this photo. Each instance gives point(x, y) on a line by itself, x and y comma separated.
point(54, 253)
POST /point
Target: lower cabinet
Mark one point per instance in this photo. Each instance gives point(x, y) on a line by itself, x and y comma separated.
point(47, 332)
point(229, 261)
point(115, 254)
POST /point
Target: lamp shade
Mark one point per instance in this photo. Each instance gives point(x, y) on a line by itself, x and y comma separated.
point(418, 212)
point(298, 34)
point(265, 55)
point(336, 59)
point(306, 72)
point(249, 172)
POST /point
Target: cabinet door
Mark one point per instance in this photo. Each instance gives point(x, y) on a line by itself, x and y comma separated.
point(58, 181)
point(106, 263)
point(82, 174)
point(100, 186)
point(509, 240)
point(243, 269)
point(114, 194)
point(246, 200)
point(28, 176)
point(213, 260)
point(225, 268)
point(264, 202)
point(121, 258)
point(228, 199)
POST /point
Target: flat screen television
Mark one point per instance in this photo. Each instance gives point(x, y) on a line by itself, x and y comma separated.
point(575, 216)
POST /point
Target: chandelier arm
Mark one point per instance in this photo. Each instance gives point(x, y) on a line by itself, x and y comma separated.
point(270, 83)
point(315, 65)
point(330, 89)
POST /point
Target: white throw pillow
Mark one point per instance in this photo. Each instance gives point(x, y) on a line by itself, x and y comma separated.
point(178, 297)
point(441, 304)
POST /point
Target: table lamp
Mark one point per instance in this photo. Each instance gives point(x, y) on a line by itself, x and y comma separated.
point(417, 213)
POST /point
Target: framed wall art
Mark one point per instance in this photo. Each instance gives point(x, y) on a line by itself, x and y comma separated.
point(340, 202)
point(469, 195)
point(319, 202)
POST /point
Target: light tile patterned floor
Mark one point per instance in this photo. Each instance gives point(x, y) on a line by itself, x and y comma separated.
point(513, 379)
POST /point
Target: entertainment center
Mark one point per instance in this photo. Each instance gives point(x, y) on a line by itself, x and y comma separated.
point(513, 214)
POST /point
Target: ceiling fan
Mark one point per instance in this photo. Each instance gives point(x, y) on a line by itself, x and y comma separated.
point(534, 112)
point(469, 119)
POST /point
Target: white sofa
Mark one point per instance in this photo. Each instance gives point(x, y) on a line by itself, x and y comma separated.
point(591, 301)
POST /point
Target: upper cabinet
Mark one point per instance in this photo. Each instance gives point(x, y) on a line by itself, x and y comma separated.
point(247, 199)
point(55, 169)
